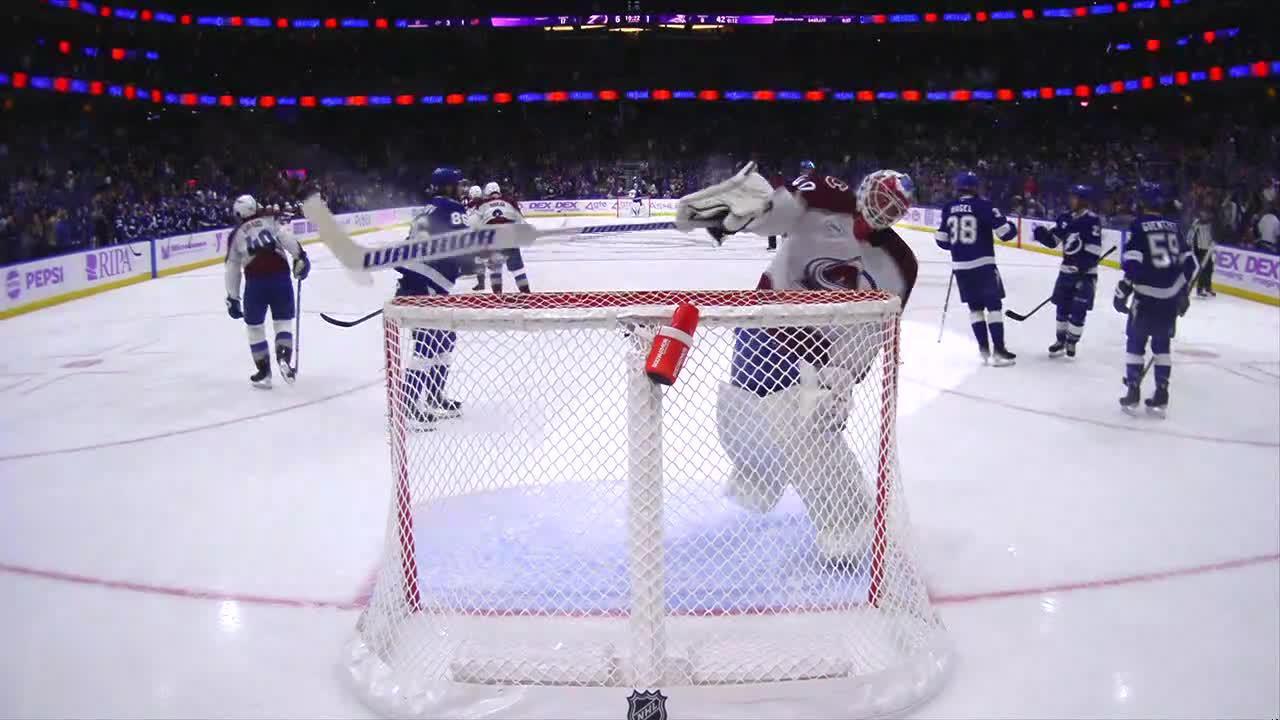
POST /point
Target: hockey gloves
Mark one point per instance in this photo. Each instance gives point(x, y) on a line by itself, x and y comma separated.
point(1043, 236)
point(1184, 302)
point(1121, 300)
point(233, 308)
point(301, 266)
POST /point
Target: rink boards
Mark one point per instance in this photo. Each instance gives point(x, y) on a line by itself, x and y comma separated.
point(49, 281)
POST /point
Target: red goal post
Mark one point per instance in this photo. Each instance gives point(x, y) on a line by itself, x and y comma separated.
point(579, 533)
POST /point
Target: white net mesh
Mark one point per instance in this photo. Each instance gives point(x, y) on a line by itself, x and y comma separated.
point(574, 532)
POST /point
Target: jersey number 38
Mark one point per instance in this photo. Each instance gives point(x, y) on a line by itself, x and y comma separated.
point(963, 229)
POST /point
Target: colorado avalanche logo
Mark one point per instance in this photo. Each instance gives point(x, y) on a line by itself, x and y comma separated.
point(827, 273)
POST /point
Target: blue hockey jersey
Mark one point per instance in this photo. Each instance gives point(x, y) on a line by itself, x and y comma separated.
point(1156, 261)
point(1080, 235)
point(440, 215)
point(966, 231)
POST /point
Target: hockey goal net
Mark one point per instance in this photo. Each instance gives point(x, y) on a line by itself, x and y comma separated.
point(737, 541)
point(634, 207)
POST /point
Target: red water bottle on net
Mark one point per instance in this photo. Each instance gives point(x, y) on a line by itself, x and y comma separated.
point(671, 345)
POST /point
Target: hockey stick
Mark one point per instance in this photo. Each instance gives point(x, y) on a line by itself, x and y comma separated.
point(943, 323)
point(429, 248)
point(297, 329)
point(349, 323)
point(1020, 317)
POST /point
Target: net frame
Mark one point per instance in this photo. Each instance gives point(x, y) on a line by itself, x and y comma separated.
point(648, 617)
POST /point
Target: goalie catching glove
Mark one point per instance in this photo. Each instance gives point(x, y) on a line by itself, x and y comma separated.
point(733, 205)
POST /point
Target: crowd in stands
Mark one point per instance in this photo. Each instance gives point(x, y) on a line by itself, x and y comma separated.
point(799, 57)
point(73, 177)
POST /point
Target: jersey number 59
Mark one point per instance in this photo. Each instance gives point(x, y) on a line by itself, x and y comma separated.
point(1164, 248)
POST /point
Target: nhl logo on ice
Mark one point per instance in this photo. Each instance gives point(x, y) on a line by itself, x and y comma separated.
point(650, 705)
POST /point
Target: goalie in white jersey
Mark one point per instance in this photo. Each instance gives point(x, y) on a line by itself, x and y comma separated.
point(793, 390)
point(495, 208)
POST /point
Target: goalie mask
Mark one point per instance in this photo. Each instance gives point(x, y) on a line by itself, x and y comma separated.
point(884, 197)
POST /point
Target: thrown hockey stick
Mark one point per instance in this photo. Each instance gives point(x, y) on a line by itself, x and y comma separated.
point(429, 248)
point(1020, 317)
point(943, 323)
point(349, 323)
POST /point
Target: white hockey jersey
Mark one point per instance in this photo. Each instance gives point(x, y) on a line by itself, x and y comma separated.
point(495, 211)
point(259, 245)
point(825, 251)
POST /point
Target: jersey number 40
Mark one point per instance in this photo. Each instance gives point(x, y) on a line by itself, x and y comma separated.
point(264, 240)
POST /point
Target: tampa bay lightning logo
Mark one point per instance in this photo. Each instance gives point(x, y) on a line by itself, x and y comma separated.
point(1073, 244)
point(828, 273)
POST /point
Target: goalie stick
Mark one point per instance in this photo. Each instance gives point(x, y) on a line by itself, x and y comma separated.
point(428, 248)
point(1020, 317)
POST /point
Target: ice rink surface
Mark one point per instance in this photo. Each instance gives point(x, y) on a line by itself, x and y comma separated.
point(174, 543)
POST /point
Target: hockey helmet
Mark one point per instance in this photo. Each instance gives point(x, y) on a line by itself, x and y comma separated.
point(443, 177)
point(245, 207)
point(1151, 195)
point(884, 197)
point(1081, 191)
point(966, 181)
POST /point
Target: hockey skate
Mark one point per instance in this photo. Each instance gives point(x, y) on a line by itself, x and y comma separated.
point(985, 354)
point(442, 408)
point(284, 360)
point(1001, 357)
point(1129, 402)
point(262, 378)
point(1058, 348)
point(420, 420)
point(1071, 348)
point(1158, 403)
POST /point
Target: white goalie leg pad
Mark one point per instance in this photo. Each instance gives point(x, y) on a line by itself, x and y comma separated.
point(830, 479)
point(836, 495)
point(753, 435)
point(763, 436)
